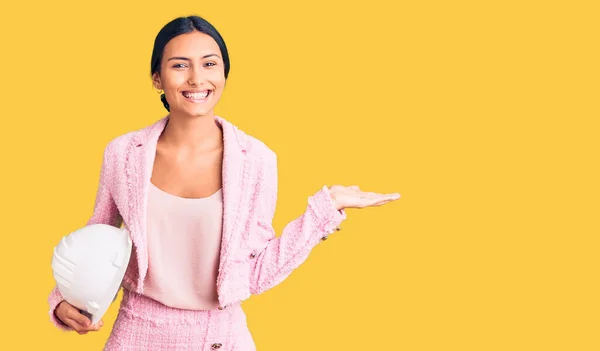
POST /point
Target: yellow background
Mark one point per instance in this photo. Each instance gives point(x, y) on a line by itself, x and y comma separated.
point(483, 115)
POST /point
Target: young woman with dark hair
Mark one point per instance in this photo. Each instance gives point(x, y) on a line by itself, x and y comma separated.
point(198, 196)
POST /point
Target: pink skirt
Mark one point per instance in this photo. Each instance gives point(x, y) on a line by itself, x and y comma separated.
point(145, 324)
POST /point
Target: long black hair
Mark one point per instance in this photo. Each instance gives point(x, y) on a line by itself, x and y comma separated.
point(182, 25)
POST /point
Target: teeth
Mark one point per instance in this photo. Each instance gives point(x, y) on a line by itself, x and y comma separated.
point(201, 95)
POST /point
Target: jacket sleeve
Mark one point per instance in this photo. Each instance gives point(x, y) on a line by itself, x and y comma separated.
point(282, 254)
point(105, 212)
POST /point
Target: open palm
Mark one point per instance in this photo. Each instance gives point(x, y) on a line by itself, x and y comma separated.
point(353, 197)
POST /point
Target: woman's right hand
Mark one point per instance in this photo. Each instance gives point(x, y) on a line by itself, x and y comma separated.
point(71, 316)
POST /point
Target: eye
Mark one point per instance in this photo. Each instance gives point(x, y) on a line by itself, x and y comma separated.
point(179, 65)
point(210, 64)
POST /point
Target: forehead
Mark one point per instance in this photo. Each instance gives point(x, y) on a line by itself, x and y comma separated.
point(191, 45)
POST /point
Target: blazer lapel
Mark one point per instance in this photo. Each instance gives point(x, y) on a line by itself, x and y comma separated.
point(140, 158)
point(234, 165)
point(139, 165)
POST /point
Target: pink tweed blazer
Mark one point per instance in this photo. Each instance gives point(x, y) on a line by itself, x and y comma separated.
point(252, 259)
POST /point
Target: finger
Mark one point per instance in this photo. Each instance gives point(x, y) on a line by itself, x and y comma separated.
point(380, 203)
point(98, 325)
point(382, 200)
point(394, 196)
point(93, 327)
point(373, 195)
point(80, 329)
point(367, 200)
point(78, 317)
point(390, 198)
point(376, 196)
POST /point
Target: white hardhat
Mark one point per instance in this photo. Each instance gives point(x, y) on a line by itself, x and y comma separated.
point(89, 265)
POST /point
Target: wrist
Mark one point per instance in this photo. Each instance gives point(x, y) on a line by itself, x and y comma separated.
point(333, 198)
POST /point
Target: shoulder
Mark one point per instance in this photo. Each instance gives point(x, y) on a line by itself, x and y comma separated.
point(256, 148)
point(262, 156)
point(119, 145)
point(264, 169)
point(116, 148)
point(260, 149)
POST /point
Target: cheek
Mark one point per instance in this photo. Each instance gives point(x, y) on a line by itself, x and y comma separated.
point(175, 81)
point(216, 78)
point(172, 80)
point(219, 84)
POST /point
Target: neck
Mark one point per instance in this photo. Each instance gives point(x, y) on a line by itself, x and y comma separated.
point(191, 132)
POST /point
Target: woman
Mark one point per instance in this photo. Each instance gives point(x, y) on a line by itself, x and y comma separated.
point(198, 197)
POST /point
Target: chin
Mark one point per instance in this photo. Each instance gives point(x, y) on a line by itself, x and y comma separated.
point(195, 112)
point(199, 113)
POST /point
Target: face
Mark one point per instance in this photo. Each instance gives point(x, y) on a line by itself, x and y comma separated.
point(192, 74)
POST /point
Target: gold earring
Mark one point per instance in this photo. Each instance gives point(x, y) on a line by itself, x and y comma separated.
point(159, 91)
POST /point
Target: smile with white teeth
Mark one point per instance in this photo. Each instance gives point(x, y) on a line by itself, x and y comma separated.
point(195, 96)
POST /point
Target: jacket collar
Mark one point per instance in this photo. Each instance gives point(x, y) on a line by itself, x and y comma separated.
point(152, 133)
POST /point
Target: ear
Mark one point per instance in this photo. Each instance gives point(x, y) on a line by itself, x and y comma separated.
point(156, 81)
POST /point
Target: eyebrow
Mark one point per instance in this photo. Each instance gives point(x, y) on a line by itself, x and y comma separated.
point(187, 59)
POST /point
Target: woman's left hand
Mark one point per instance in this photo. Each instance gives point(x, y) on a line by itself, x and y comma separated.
point(353, 197)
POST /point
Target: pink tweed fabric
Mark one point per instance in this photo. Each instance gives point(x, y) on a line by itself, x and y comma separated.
point(253, 259)
point(144, 324)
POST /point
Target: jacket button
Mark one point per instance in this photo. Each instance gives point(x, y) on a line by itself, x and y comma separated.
point(252, 255)
point(216, 346)
point(221, 307)
point(324, 238)
point(338, 228)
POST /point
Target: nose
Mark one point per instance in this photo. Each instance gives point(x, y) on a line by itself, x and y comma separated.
point(195, 77)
